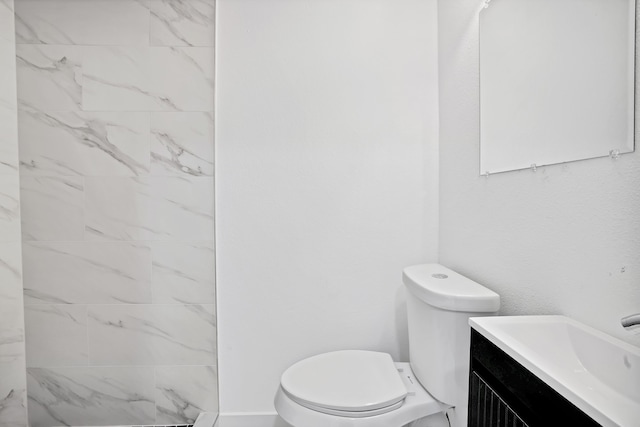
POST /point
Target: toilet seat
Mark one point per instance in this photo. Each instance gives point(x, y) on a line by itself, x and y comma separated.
point(418, 403)
point(345, 383)
point(348, 414)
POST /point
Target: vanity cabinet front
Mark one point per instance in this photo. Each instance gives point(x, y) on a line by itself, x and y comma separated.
point(503, 393)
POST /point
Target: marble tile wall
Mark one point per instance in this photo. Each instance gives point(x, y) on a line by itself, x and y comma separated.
point(13, 392)
point(116, 163)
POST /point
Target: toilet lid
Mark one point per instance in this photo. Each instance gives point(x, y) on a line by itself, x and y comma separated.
point(350, 380)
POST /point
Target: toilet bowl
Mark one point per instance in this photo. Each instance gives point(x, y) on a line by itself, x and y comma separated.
point(357, 388)
point(366, 389)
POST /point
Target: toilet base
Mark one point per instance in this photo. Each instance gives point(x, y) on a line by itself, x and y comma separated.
point(417, 405)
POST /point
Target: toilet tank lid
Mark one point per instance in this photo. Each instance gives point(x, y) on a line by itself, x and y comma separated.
point(441, 287)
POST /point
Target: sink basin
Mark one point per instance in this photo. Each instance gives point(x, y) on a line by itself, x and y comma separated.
point(596, 372)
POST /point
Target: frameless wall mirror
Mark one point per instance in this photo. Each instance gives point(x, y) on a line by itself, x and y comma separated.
point(556, 81)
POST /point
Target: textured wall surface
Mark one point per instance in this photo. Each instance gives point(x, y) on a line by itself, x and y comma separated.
point(13, 393)
point(326, 155)
point(116, 162)
point(562, 240)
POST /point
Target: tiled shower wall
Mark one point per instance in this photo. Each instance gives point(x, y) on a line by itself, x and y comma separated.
point(13, 393)
point(116, 163)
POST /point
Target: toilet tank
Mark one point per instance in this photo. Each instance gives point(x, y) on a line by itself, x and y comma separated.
point(439, 305)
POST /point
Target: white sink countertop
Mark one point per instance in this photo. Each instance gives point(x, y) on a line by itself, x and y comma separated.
point(598, 373)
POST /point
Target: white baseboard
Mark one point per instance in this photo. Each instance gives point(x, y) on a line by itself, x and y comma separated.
point(250, 420)
point(253, 419)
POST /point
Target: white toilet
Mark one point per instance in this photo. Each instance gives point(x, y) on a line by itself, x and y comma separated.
point(355, 388)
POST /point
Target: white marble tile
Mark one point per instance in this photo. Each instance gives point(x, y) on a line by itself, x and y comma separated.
point(8, 140)
point(91, 396)
point(52, 208)
point(8, 97)
point(182, 144)
point(11, 333)
point(7, 68)
point(9, 208)
point(183, 272)
point(8, 88)
point(10, 272)
point(152, 335)
point(149, 208)
point(8, 55)
point(13, 395)
point(95, 22)
point(182, 392)
point(8, 105)
point(87, 272)
point(182, 22)
point(79, 143)
point(56, 335)
point(182, 77)
point(7, 29)
point(12, 371)
point(50, 77)
point(6, 19)
point(116, 209)
point(117, 78)
point(147, 79)
point(182, 207)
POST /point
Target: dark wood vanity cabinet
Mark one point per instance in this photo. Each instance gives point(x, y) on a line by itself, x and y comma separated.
point(503, 393)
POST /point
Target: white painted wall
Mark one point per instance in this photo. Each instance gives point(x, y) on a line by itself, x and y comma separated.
point(564, 240)
point(326, 181)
